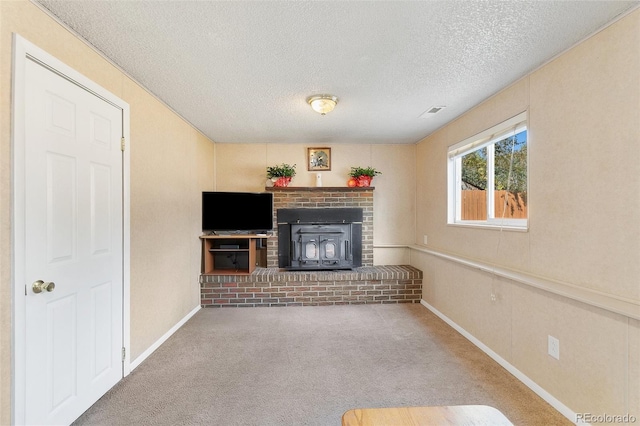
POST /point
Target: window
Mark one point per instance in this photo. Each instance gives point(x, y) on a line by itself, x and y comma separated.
point(488, 177)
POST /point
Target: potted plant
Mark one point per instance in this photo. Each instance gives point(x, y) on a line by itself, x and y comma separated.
point(362, 176)
point(281, 175)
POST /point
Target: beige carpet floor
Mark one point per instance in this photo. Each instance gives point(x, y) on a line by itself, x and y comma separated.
point(307, 366)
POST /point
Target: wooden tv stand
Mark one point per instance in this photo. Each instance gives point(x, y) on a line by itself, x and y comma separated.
point(233, 254)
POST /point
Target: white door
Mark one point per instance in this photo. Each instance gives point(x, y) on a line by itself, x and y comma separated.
point(73, 240)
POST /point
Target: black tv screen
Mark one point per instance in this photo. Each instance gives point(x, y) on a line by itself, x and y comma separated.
point(250, 212)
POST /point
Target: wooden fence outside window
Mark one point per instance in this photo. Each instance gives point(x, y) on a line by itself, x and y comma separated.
point(474, 205)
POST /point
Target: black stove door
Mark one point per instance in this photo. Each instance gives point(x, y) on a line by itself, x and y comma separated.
point(315, 246)
point(309, 250)
point(331, 246)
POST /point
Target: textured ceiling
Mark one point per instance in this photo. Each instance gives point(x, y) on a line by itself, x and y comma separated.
point(240, 71)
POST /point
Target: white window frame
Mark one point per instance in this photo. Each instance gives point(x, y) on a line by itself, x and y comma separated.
point(455, 153)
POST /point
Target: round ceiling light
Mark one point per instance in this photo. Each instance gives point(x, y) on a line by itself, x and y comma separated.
point(322, 103)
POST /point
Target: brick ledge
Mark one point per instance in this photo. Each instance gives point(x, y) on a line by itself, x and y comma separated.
point(275, 287)
point(385, 272)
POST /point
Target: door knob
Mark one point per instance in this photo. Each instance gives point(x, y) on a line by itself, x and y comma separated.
point(40, 286)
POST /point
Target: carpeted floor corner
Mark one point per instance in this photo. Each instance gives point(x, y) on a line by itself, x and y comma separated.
point(307, 366)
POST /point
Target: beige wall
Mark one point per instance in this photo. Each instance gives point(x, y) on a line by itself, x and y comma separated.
point(242, 167)
point(171, 164)
point(584, 227)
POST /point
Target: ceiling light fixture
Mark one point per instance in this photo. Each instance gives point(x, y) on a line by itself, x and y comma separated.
point(322, 103)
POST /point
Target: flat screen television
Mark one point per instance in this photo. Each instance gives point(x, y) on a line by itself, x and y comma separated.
point(241, 212)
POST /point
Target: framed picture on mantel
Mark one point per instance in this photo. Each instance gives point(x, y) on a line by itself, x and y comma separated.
point(318, 159)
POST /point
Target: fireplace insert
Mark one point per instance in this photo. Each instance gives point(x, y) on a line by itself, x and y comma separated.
point(319, 238)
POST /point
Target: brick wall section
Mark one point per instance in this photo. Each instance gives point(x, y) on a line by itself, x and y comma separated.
point(275, 287)
point(312, 197)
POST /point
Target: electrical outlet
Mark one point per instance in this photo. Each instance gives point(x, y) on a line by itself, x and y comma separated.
point(554, 347)
point(424, 239)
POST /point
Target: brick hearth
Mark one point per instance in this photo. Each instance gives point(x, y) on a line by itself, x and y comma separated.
point(274, 287)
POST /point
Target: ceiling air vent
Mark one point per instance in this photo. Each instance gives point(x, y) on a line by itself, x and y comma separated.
point(432, 111)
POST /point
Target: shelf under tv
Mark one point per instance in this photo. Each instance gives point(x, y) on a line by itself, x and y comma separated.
point(232, 254)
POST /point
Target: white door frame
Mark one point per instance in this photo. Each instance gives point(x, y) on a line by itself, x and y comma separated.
point(23, 51)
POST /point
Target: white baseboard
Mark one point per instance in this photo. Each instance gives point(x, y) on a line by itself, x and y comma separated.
point(554, 402)
point(144, 355)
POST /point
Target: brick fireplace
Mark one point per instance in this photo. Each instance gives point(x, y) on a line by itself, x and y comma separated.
point(324, 197)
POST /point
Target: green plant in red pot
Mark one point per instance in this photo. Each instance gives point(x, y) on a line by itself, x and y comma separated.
point(281, 175)
point(363, 175)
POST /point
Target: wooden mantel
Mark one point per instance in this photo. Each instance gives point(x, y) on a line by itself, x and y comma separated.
point(321, 188)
